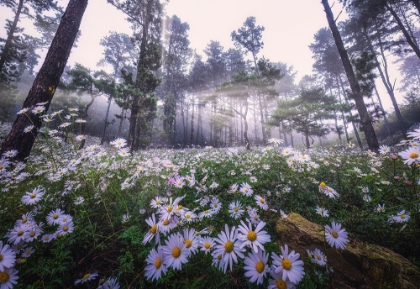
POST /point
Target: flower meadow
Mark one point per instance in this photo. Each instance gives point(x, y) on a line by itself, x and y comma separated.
point(104, 217)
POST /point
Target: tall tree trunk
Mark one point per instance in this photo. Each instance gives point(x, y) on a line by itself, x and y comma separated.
point(140, 79)
point(46, 81)
point(386, 81)
point(356, 133)
point(192, 123)
point(354, 85)
point(383, 110)
point(106, 119)
point(8, 44)
point(264, 137)
point(407, 36)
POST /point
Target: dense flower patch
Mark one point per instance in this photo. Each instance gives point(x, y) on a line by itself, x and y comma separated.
point(104, 217)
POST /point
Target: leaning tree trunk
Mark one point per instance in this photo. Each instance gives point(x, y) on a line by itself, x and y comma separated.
point(8, 44)
point(46, 81)
point(354, 85)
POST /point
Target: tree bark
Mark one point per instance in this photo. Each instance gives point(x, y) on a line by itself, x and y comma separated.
point(354, 85)
point(407, 36)
point(106, 119)
point(46, 81)
point(9, 40)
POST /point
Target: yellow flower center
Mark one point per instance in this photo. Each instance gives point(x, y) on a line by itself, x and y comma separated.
point(207, 245)
point(179, 208)
point(215, 205)
point(1, 167)
point(318, 257)
point(402, 216)
point(252, 236)
point(55, 216)
point(4, 277)
point(229, 246)
point(86, 276)
point(219, 257)
point(206, 211)
point(65, 228)
point(235, 209)
point(259, 267)
point(188, 243)
point(286, 264)
point(20, 233)
point(32, 234)
point(157, 202)
point(414, 155)
point(24, 220)
point(153, 229)
point(334, 234)
point(1, 257)
point(166, 222)
point(158, 263)
point(322, 185)
point(281, 284)
point(33, 195)
point(170, 209)
point(262, 200)
point(255, 217)
point(176, 252)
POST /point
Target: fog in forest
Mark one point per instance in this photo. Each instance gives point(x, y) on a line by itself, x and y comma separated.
point(173, 87)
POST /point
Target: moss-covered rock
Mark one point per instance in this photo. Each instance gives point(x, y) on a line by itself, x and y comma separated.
point(360, 265)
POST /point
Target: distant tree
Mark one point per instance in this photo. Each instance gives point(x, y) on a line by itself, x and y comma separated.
point(355, 87)
point(176, 58)
point(249, 37)
point(83, 81)
point(306, 112)
point(121, 54)
point(46, 81)
point(146, 19)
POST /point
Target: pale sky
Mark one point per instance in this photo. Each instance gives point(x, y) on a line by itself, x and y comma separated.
point(290, 26)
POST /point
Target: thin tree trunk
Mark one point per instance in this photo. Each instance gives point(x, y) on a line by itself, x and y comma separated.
point(46, 81)
point(357, 95)
point(264, 137)
point(407, 36)
point(192, 123)
point(8, 44)
point(356, 133)
point(386, 81)
point(383, 111)
point(106, 119)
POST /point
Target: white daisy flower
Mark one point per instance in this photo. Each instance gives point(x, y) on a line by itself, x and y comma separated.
point(246, 189)
point(153, 232)
point(190, 241)
point(322, 211)
point(53, 217)
point(87, 277)
point(261, 202)
point(175, 252)
point(411, 155)
point(155, 264)
point(7, 257)
point(8, 278)
point(207, 244)
point(277, 282)
point(229, 247)
point(319, 257)
point(256, 267)
point(31, 198)
point(336, 236)
point(235, 210)
point(289, 265)
point(253, 238)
